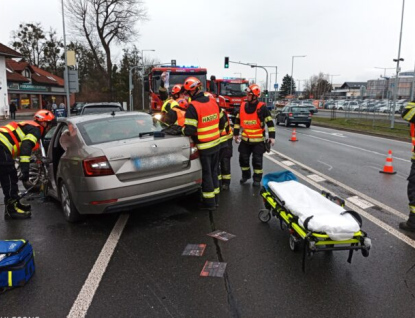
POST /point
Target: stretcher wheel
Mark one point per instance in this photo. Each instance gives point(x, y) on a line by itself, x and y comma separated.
point(293, 243)
point(264, 215)
point(365, 252)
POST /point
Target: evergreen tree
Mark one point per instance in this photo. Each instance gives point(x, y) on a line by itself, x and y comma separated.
point(286, 86)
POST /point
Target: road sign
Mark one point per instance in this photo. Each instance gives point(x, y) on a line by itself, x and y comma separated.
point(73, 81)
point(173, 62)
point(275, 86)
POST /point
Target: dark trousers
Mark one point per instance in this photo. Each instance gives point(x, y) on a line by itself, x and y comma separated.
point(411, 195)
point(8, 175)
point(210, 183)
point(12, 115)
point(225, 155)
point(257, 150)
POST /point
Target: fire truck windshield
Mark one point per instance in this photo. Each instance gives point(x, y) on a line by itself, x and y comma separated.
point(178, 78)
point(233, 89)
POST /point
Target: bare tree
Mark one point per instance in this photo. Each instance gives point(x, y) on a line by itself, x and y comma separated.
point(103, 23)
point(317, 86)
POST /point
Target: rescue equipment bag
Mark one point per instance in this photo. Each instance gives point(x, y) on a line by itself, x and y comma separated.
point(17, 264)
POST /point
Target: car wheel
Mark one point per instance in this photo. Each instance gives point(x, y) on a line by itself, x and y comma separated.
point(70, 212)
point(296, 125)
point(308, 125)
point(287, 122)
point(277, 122)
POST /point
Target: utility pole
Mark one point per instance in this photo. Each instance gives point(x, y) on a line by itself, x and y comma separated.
point(292, 70)
point(395, 88)
point(68, 102)
point(142, 74)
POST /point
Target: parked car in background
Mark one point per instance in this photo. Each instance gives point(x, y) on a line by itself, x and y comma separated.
point(293, 115)
point(76, 107)
point(109, 163)
point(100, 108)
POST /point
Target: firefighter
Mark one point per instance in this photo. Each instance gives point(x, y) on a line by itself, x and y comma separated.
point(202, 124)
point(409, 115)
point(176, 94)
point(252, 117)
point(225, 151)
point(176, 115)
point(17, 140)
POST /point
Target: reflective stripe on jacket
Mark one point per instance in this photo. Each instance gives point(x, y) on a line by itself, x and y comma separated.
point(226, 132)
point(253, 130)
point(17, 136)
point(169, 104)
point(208, 124)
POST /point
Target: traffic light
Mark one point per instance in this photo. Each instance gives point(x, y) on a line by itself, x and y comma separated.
point(266, 93)
point(226, 62)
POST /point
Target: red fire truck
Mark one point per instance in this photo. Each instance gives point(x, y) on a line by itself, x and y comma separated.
point(177, 75)
point(230, 92)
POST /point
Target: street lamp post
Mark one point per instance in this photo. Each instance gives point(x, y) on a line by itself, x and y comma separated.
point(142, 74)
point(255, 69)
point(68, 106)
point(395, 88)
point(292, 70)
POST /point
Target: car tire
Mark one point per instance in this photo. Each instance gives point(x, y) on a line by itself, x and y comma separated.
point(69, 210)
point(296, 125)
point(287, 122)
point(308, 125)
point(277, 123)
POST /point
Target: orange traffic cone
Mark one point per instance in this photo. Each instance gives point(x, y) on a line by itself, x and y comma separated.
point(293, 136)
point(388, 168)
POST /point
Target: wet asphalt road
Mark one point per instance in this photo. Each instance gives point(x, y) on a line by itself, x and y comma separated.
point(148, 277)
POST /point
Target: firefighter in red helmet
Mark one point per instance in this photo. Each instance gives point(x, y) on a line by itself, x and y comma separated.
point(17, 140)
point(202, 124)
point(253, 116)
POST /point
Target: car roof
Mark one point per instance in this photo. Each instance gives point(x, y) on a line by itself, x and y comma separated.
point(80, 119)
point(103, 103)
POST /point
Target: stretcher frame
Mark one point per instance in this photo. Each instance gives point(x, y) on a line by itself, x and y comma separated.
point(312, 242)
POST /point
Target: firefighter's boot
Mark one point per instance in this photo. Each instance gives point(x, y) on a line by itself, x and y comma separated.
point(24, 206)
point(14, 212)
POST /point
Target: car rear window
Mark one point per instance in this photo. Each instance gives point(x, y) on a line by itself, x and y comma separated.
point(117, 128)
point(299, 109)
point(100, 109)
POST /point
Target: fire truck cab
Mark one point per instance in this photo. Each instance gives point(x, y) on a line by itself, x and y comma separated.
point(230, 92)
point(177, 75)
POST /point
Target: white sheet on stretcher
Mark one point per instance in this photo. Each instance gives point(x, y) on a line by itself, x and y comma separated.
point(304, 202)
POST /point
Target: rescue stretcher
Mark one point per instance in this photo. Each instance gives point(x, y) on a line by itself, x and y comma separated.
point(317, 222)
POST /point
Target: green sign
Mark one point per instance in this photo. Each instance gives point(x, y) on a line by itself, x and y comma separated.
point(30, 87)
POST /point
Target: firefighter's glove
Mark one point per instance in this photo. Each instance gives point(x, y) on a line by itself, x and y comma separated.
point(271, 141)
point(236, 138)
point(24, 168)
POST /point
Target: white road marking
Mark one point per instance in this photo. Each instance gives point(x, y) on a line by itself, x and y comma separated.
point(358, 148)
point(316, 178)
point(333, 134)
point(326, 164)
point(362, 212)
point(288, 163)
point(351, 190)
point(85, 296)
point(359, 202)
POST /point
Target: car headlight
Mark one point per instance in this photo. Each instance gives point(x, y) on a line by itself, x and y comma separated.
point(157, 116)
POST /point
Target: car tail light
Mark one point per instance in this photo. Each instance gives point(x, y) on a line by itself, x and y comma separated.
point(194, 152)
point(310, 115)
point(290, 115)
point(103, 201)
point(98, 166)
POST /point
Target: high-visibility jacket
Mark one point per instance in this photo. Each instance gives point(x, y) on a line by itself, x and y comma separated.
point(12, 136)
point(253, 129)
point(180, 116)
point(409, 115)
point(226, 133)
point(169, 104)
point(207, 124)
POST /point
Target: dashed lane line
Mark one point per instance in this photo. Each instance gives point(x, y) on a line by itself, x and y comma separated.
point(362, 212)
point(346, 187)
point(85, 296)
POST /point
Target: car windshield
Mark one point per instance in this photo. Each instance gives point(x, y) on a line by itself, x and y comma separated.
point(100, 109)
point(233, 89)
point(117, 128)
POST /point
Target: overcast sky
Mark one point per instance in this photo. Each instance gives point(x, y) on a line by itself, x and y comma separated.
point(348, 38)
